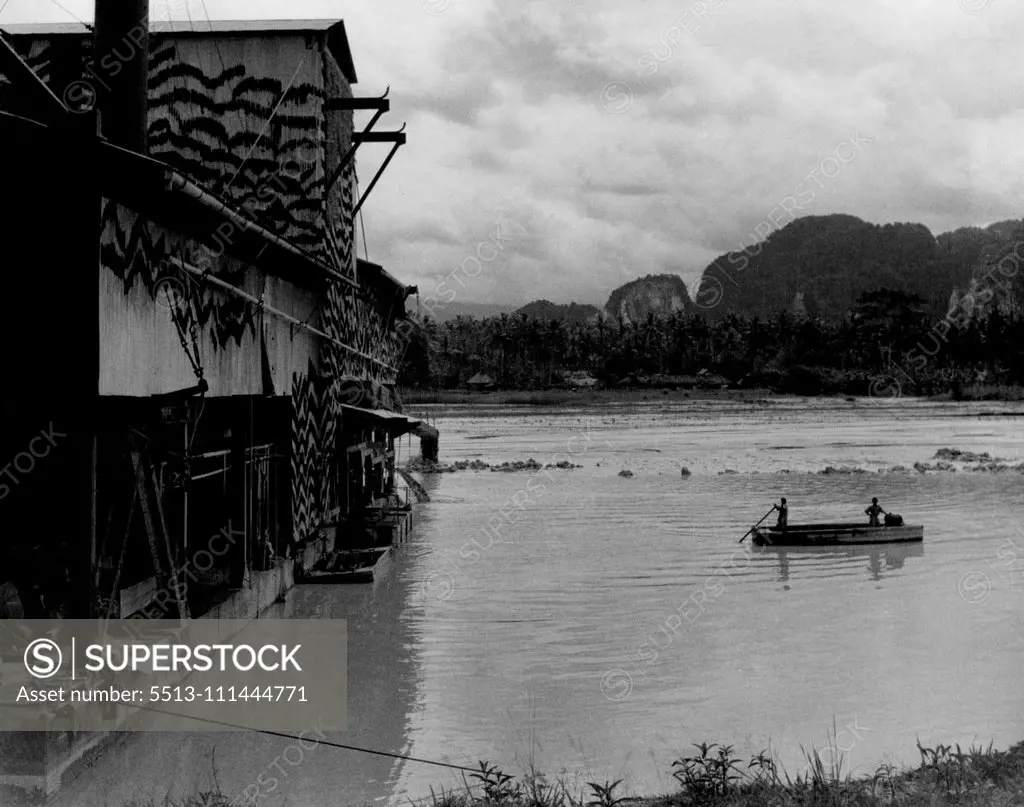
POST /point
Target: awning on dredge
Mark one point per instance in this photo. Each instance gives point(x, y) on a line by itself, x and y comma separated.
point(394, 422)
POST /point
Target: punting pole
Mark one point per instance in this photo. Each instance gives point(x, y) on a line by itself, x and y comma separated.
point(756, 525)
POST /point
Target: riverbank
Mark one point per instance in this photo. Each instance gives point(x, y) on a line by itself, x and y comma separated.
point(711, 776)
point(563, 397)
point(559, 397)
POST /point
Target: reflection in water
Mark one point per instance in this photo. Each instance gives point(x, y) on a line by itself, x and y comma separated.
point(881, 559)
point(516, 639)
point(384, 684)
point(500, 653)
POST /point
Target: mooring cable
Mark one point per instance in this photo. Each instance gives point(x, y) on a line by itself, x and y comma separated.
point(328, 743)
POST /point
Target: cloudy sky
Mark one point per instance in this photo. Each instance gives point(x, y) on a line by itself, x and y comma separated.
point(599, 141)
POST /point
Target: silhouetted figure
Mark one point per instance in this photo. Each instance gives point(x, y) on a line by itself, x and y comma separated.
point(783, 521)
point(873, 512)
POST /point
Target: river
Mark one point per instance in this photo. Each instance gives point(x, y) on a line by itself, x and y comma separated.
point(618, 620)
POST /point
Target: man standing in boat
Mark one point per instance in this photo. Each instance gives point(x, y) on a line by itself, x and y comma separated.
point(873, 512)
point(783, 521)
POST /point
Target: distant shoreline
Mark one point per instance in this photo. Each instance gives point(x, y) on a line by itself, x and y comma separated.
point(564, 397)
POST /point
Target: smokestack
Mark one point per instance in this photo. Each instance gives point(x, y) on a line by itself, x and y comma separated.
point(121, 70)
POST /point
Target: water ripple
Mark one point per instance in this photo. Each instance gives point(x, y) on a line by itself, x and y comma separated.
point(749, 645)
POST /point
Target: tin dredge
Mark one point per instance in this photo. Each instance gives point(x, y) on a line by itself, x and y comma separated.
point(216, 367)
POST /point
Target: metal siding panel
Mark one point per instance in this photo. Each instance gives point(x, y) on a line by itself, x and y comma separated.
point(241, 115)
point(140, 349)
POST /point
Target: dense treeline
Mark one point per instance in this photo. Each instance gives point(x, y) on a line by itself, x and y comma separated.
point(831, 259)
point(888, 334)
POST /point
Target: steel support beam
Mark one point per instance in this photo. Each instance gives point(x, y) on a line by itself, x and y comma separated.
point(381, 105)
point(46, 106)
point(398, 139)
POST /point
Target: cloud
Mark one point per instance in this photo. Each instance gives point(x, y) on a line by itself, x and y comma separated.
point(629, 138)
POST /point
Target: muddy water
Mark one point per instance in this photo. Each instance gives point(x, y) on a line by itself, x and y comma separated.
point(617, 620)
point(591, 639)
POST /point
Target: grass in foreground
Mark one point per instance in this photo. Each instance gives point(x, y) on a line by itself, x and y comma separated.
point(712, 777)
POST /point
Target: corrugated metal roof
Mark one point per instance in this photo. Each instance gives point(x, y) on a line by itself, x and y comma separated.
point(382, 414)
point(198, 27)
point(337, 39)
point(366, 267)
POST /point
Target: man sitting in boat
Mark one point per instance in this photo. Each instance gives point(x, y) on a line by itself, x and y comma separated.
point(873, 512)
point(783, 515)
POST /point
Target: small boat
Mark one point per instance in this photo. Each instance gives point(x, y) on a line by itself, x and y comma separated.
point(836, 534)
point(351, 566)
